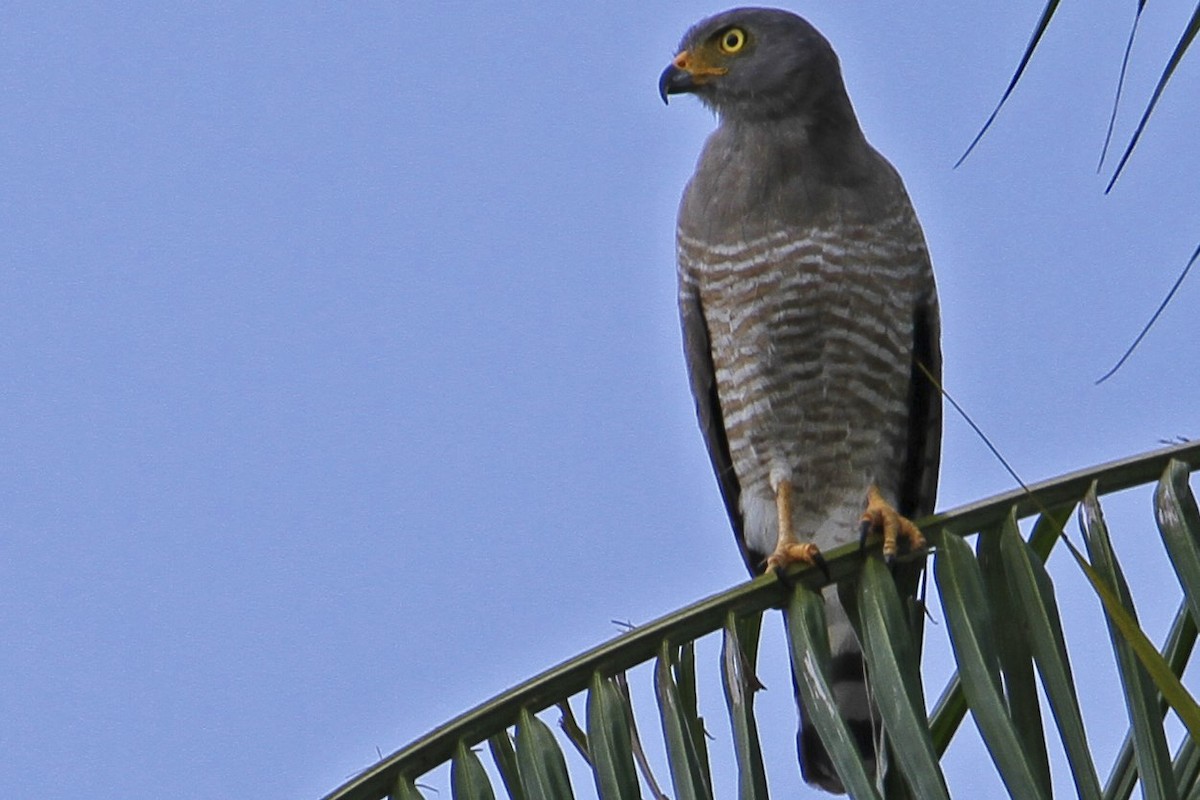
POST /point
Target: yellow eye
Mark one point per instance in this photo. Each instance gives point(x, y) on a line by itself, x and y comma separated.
point(733, 40)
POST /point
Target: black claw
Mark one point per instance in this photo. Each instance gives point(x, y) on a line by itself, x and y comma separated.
point(864, 532)
point(784, 578)
point(819, 560)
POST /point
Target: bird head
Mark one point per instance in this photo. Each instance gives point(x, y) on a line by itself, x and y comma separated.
point(753, 62)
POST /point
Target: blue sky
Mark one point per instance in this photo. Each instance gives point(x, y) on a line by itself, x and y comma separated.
point(343, 385)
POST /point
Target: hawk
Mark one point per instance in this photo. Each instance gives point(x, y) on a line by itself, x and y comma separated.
point(810, 320)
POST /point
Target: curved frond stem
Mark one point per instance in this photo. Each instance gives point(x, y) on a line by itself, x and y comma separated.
point(1185, 41)
point(1112, 119)
point(1154, 318)
point(1043, 23)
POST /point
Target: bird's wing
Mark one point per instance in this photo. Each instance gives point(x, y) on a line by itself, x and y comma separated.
point(918, 482)
point(702, 376)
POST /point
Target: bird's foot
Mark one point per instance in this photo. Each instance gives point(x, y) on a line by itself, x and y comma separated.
point(880, 519)
point(788, 550)
point(788, 553)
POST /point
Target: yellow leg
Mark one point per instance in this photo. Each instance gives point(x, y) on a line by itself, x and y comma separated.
point(788, 549)
point(881, 519)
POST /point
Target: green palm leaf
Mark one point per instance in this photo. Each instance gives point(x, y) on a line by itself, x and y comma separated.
point(689, 769)
point(540, 761)
point(809, 642)
point(611, 741)
point(405, 789)
point(501, 745)
point(896, 679)
point(468, 780)
point(739, 649)
point(1141, 698)
point(1178, 650)
point(969, 619)
point(1036, 591)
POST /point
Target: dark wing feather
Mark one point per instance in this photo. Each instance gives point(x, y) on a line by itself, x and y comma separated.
point(702, 376)
point(917, 493)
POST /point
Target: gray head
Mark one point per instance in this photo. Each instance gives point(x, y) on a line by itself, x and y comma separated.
point(755, 63)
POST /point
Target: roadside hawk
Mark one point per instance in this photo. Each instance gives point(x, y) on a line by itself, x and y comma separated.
point(809, 310)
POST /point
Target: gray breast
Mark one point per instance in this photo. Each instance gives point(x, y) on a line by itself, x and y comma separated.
point(811, 339)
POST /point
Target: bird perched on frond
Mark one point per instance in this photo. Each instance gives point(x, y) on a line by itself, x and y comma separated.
point(809, 318)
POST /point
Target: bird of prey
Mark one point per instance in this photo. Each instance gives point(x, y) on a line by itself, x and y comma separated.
point(810, 320)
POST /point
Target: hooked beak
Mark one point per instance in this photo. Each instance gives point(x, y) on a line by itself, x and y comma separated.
point(675, 81)
point(685, 74)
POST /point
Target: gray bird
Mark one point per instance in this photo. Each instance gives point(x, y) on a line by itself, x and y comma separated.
point(809, 308)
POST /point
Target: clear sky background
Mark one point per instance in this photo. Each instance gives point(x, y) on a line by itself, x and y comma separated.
point(342, 384)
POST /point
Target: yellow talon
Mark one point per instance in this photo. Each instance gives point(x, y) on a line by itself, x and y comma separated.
point(880, 518)
point(795, 553)
point(789, 550)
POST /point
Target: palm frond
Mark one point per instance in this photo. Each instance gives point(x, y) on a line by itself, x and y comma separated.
point(996, 683)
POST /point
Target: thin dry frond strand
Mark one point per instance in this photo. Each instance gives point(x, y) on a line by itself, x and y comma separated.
point(1168, 684)
point(1043, 23)
point(988, 442)
point(574, 733)
point(1185, 41)
point(639, 754)
point(1112, 119)
point(978, 431)
point(1157, 313)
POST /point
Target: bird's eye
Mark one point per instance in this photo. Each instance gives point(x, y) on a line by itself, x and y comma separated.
point(733, 40)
